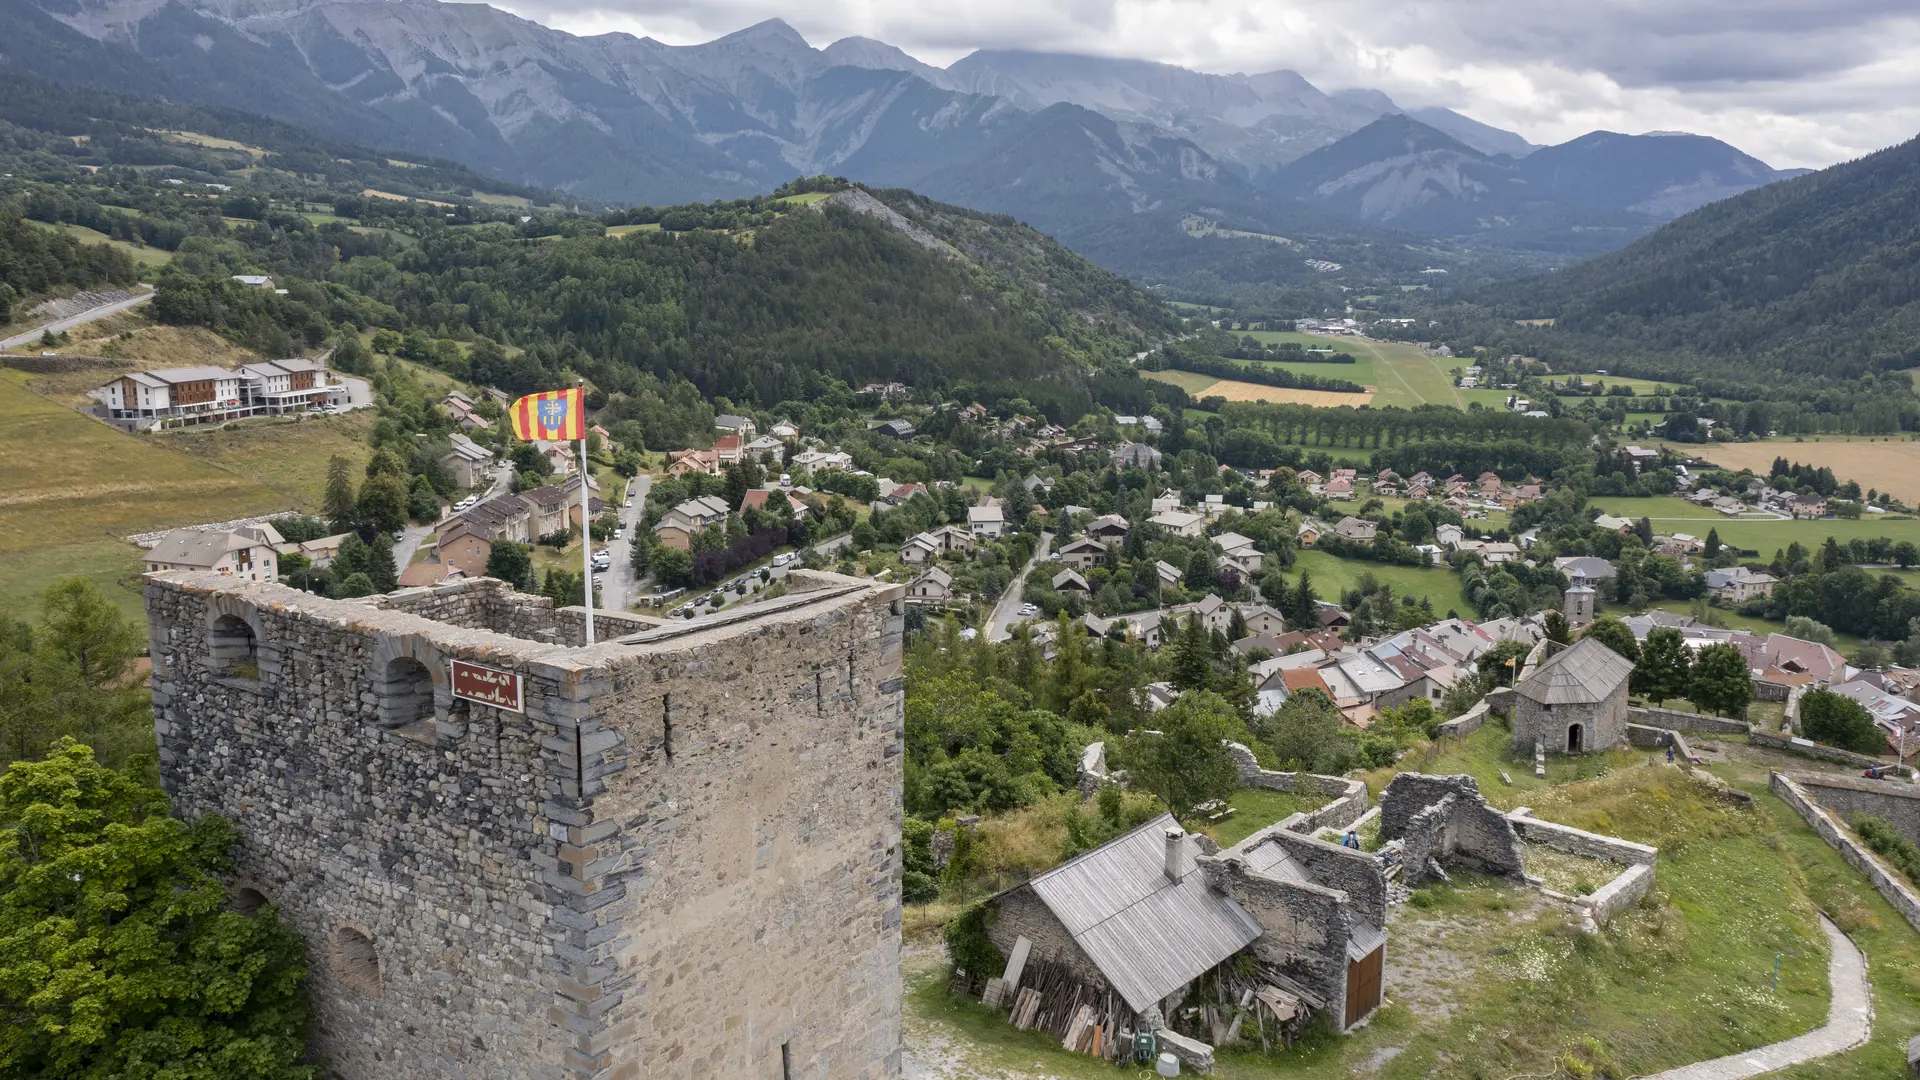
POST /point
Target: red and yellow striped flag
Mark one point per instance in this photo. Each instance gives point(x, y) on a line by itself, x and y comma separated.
point(552, 416)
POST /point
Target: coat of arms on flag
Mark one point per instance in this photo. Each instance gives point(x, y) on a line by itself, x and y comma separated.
point(551, 416)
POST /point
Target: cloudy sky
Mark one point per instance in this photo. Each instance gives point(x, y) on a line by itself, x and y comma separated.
point(1796, 82)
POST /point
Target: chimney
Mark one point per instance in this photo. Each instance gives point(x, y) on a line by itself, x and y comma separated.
point(1174, 841)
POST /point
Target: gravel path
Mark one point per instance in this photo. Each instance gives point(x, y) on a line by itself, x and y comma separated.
point(1849, 1022)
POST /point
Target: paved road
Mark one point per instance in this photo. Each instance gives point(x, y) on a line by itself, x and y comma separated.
point(1007, 611)
point(81, 319)
point(618, 589)
point(411, 539)
point(1849, 1023)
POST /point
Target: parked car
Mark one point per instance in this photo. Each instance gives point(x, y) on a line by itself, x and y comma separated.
point(1028, 610)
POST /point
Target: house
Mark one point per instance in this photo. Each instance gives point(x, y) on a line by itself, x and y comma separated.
point(784, 431)
point(1640, 457)
point(1179, 522)
point(891, 391)
point(1084, 554)
point(459, 546)
point(678, 526)
point(919, 549)
point(1356, 530)
point(1144, 916)
point(1738, 585)
point(1133, 455)
point(1309, 477)
point(1167, 573)
point(246, 552)
point(813, 461)
point(1497, 552)
point(1895, 715)
point(1574, 702)
point(987, 521)
point(277, 387)
point(1261, 619)
point(729, 424)
point(1808, 506)
point(1340, 488)
point(175, 396)
point(896, 429)
point(1310, 531)
point(1611, 523)
point(727, 449)
point(1215, 614)
point(1586, 568)
point(1238, 552)
point(1166, 500)
point(558, 455)
point(1070, 581)
point(1109, 529)
point(467, 461)
point(935, 586)
point(1449, 536)
point(682, 462)
point(765, 449)
point(503, 517)
point(548, 505)
point(255, 281)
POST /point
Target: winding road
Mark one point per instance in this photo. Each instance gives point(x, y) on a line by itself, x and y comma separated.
point(71, 321)
point(1007, 611)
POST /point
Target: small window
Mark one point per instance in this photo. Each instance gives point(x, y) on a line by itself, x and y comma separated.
point(406, 693)
point(355, 961)
point(234, 649)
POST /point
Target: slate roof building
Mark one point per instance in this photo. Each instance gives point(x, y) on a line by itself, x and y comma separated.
point(1574, 702)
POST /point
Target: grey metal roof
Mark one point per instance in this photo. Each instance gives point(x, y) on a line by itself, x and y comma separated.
point(1275, 862)
point(1585, 673)
point(1366, 938)
point(1148, 935)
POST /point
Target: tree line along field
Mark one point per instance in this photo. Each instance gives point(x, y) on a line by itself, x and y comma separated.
point(1397, 373)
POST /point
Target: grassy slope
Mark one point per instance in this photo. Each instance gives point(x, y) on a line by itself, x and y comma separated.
point(145, 256)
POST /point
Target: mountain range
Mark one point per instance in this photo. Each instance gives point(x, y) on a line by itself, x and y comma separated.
point(1077, 145)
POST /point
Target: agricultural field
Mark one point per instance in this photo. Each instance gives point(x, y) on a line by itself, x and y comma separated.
point(1885, 463)
point(145, 256)
point(287, 455)
point(1765, 535)
point(69, 485)
point(1401, 374)
point(1333, 575)
point(1485, 980)
point(1235, 390)
point(375, 193)
point(618, 231)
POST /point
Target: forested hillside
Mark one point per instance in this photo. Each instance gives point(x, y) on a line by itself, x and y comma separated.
point(1818, 275)
point(34, 260)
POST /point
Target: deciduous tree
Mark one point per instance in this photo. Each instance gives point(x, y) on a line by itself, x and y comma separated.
point(1721, 681)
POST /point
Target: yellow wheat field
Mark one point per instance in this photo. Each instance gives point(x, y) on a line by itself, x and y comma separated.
point(1234, 390)
point(1884, 465)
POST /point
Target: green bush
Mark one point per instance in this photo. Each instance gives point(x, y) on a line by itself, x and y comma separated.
point(1879, 834)
point(967, 943)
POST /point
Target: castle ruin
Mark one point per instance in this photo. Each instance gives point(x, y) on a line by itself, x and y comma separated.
point(672, 855)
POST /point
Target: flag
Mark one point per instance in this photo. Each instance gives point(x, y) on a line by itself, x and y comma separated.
point(553, 416)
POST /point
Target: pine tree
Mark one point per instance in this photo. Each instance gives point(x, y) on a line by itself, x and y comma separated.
point(339, 504)
point(380, 566)
point(1713, 543)
point(1199, 572)
point(1303, 606)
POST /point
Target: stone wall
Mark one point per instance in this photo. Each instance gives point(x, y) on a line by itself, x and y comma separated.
point(1348, 797)
point(1467, 722)
point(1356, 873)
point(1808, 749)
point(1890, 883)
point(681, 856)
point(1440, 819)
point(1617, 895)
point(1304, 927)
point(1021, 913)
point(1675, 720)
point(1602, 724)
point(1579, 841)
point(1898, 802)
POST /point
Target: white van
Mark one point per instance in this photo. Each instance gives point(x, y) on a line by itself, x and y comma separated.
point(786, 480)
point(785, 558)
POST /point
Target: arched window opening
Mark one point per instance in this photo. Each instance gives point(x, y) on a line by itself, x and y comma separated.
point(406, 693)
point(234, 649)
point(355, 961)
point(248, 901)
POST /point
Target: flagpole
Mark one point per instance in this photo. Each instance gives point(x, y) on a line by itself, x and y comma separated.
point(586, 521)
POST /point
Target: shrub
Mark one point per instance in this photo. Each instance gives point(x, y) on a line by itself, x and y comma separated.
point(967, 943)
point(1879, 834)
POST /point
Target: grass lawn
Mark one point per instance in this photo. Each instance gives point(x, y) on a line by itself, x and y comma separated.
point(805, 198)
point(1333, 576)
point(145, 256)
point(1189, 381)
point(1401, 374)
point(289, 456)
point(1764, 535)
point(618, 231)
point(1256, 808)
point(1487, 981)
point(113, 565)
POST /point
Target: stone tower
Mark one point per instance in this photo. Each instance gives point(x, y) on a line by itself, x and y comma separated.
point(1579, 604)
point(674, 855)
